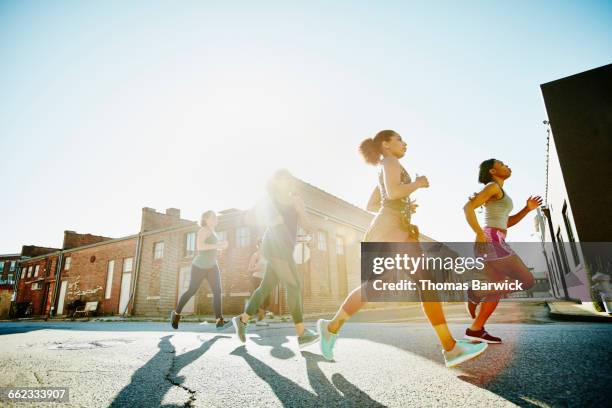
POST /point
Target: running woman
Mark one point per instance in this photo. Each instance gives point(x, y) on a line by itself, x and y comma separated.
point(392, 224)
point(502, 262)
point(257, 266)
point(204, 266)
point(284, 210)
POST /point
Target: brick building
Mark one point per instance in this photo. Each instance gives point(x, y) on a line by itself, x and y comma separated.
point(35, 278)
point(145, 273)
point(8, 275)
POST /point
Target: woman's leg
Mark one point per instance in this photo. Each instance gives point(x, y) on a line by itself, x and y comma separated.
point(384, 228)
point(351, 305)
point(513, 268)
point(285, 269)
point(432, 307)
point(213, 275)
point(268, 283)
point(255, 282)
point(197, 275)
point(488, 306)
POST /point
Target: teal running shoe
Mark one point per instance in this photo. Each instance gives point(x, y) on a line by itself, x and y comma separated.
point(463, 351)
point(327, 339)
point(240, 328)
point(309, 337)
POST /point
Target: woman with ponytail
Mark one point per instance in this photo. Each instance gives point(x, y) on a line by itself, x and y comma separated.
point(501, 263)
point(390, 199)
point(204, 266)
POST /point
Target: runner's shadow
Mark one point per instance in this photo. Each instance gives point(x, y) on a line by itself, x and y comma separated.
point(152, 381)
point(292, 394)
point(276, 342)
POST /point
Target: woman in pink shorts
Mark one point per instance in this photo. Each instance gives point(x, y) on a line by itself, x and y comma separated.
point(502, 263)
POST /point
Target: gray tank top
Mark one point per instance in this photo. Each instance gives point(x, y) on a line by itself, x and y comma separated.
point(497, 212)
point(207, 258)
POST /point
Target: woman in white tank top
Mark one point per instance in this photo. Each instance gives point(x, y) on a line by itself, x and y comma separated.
point(502, 262)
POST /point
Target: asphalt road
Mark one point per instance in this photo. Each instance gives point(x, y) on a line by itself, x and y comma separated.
point(145, 364)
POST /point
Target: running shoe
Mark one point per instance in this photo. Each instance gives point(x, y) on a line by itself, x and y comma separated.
point(472, 303)
point(174, 319)
point(240, 328)
point(222, 324)
point(327, 339)
point(463, 351)
point(309, 337)
point(481, 335)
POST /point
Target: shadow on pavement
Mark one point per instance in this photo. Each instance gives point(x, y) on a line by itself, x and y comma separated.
point(290, 394)
point(152, 381)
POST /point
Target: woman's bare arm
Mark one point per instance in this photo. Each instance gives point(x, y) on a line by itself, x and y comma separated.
point(532, 203)
point(392, 170)
point(489, 191)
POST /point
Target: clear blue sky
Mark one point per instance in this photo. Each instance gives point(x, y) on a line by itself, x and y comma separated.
point(107, 107)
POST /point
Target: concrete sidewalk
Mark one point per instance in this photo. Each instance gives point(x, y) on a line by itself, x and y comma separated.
point(572, 311)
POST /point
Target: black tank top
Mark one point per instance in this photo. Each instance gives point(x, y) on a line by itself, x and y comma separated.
point(399, 204)
point(285, 233)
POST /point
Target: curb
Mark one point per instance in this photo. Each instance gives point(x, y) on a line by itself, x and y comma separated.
point(577, 317)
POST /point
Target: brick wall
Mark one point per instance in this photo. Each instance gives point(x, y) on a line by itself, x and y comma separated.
point(74, 240)
point(87, 276)
point(157, 286)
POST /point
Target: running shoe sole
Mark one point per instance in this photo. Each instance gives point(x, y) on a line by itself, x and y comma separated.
point(481, 339)
point(466, 357)
point(313, 341)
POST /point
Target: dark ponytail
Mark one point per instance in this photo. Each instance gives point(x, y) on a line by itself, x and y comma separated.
point(484, 174)
point(371, 148)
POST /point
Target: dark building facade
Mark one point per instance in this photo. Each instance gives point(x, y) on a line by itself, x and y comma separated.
point(579, 185)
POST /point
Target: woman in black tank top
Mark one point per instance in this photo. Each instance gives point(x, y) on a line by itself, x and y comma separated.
point(392, 224)
point(284, 209)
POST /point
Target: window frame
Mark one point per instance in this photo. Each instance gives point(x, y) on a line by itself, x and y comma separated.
point(110, 270)
point(156, 251)
point(131, 263)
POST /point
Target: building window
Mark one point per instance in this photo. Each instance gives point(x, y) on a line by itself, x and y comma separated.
point(30, 271)
point(1, 266)
point(12, 268)
point(158, 250)
point(67, 263)
point(36, 270)
point(36, 285)
point(562, 251)
point(570, 235)
point(321, 240)
point(243, 237)
point(190, 243)
point(127, 265)
point(109, 279)
point(222, 235)
point(339, 245)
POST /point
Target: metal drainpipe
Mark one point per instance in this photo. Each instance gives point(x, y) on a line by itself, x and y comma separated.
point(130, 304)
point(58, 272)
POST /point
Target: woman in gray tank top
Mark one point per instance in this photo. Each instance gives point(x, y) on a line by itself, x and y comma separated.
point(502, 263)
point(204, 266)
